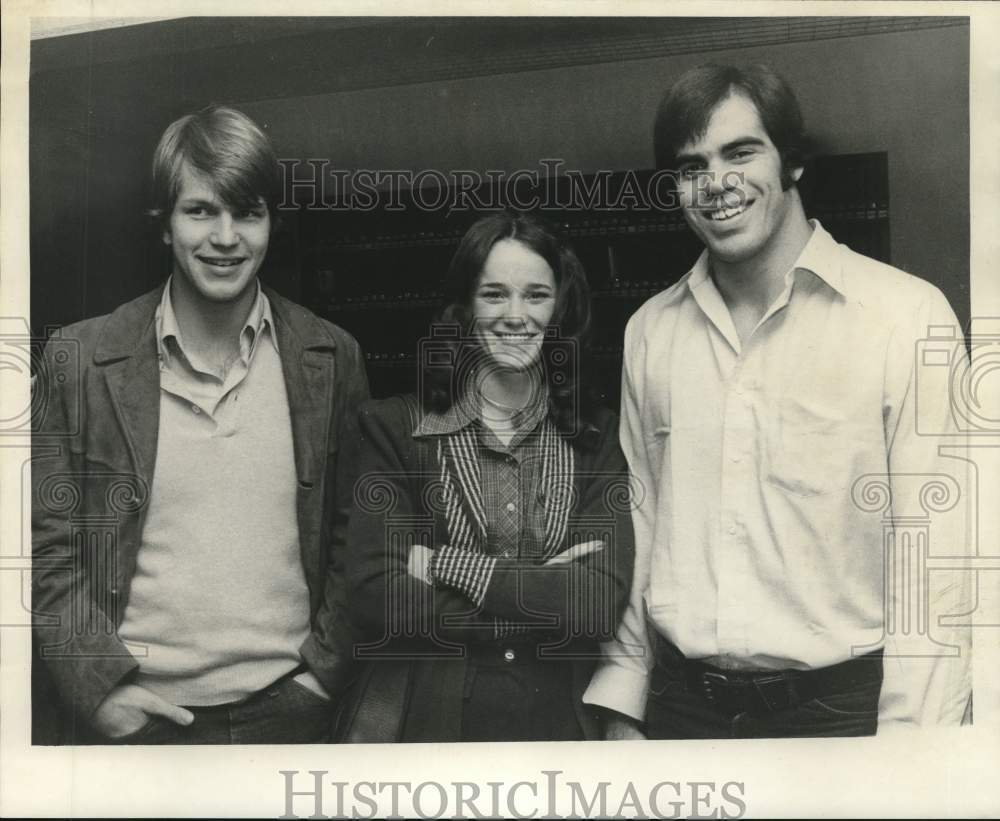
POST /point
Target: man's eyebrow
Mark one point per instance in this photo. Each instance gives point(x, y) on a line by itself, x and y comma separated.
point(681, 159)
point(732, 145)
point(742, 142)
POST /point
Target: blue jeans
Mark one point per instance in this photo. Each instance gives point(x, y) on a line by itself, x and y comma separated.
point(283, 713)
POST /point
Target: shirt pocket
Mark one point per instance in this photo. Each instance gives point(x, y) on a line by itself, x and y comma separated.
point(812, 451)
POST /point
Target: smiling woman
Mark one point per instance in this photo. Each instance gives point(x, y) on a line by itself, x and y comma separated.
point(513, 306)
point(514, 558)
point(518, 300)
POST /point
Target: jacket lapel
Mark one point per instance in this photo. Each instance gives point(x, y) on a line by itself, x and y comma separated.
point(308, 367)
point(308, 378)
point(127, 353)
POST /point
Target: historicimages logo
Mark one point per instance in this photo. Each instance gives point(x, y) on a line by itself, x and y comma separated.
point(315, 795)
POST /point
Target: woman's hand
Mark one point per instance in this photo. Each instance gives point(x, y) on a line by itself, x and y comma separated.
point(419, 563)
point(577, 551)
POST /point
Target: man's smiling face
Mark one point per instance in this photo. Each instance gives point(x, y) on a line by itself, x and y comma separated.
point(217, 249)
point(730, 185)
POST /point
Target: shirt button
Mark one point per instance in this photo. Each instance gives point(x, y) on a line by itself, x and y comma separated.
point(508, 655)
point(735, 457)
point(510, 507)
point(195, 409)
point(732, 530)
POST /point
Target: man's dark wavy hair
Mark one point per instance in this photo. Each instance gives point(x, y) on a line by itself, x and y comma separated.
point(568, 327)
point(686, 108)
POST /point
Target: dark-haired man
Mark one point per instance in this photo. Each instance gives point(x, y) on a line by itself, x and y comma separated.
point(209, 430)
point(768, 399)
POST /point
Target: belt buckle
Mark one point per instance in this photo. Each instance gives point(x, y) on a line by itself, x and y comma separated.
point(709, 680)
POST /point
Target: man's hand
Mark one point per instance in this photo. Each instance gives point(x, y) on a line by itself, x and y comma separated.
point(618, 727)
point(129, 707)
point(577, 551)
point(419, 564)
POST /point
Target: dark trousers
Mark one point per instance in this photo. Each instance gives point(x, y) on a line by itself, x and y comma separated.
point(676, 709)
point(283, 713)
point(513, 694)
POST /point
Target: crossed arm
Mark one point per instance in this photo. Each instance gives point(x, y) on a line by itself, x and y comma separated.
point(405, 590)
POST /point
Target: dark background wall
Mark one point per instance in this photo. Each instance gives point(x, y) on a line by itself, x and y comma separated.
point(479, 94)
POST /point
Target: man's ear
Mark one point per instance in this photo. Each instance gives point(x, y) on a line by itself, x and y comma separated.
point(167, 237)
point(796, 174)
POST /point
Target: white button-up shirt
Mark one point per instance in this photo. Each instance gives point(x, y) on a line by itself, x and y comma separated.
point(783, 481)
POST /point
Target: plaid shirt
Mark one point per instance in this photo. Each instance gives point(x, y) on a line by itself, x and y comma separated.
point(511, 480)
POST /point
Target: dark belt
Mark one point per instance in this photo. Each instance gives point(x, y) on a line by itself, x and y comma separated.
point(765, 691)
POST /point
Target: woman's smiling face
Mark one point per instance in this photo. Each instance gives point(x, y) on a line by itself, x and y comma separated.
point(513, 303)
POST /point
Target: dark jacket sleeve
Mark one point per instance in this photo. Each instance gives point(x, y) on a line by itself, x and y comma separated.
point(328, 649)
point(389, 516)
point(73, 592)
point(583, 598)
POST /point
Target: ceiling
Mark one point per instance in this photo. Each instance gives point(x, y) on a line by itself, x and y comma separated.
point(273, 57)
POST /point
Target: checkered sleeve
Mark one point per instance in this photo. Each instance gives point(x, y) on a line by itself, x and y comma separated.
point(463, 570)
